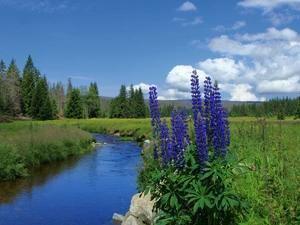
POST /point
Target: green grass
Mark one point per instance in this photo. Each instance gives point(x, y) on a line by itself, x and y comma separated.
point(271, 148)
point(24, 145)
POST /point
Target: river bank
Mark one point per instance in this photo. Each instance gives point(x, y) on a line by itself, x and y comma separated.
point(24, 146)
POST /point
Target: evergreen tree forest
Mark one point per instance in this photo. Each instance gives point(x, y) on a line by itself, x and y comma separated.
point(128, 104)
point(274, 107)
point(28, 94)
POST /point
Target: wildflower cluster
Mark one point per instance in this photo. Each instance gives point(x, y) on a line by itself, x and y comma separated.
point(191, 178)
point(210, 124)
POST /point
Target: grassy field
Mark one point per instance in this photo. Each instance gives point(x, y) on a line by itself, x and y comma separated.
point(24, 145)
point(271, 149)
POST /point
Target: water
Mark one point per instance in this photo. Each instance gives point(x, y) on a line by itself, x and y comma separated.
point(84, 189)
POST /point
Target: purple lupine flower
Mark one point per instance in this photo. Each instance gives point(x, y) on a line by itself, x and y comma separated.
point(165, 142)
point(199, 124)
point(155, 115)
point(209, 110)
point(219, 136)
point(180, 138)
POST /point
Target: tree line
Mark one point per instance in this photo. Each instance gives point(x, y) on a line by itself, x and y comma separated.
point(274, 107)
point(28, 94)
point(129, 104)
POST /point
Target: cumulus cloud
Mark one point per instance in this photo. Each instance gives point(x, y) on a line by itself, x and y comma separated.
point(289, 85)
point(179, 77)
point(251, 65)
point(239, 92)
point(187, 6)
point(222, 69)
point(270, 61)
point(268, 7)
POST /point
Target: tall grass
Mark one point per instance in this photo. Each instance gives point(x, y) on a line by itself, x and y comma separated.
point(271, 149)
point(24, 145)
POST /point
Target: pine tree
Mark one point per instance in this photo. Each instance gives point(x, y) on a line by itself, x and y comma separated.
point(140, 105)
point(28, 85)
point(93, 101)
point(69, 88)
point(297, 112)
point(2, 87)
point(280, 113)
point(119, 107)
point(54, 108)
point(14, 91)
point(132, 103)
point(74, 108)
point(41, 108)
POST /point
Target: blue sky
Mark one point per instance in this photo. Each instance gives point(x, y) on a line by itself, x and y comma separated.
point(252, 47)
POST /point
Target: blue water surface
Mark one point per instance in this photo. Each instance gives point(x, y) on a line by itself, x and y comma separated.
point(86, 189)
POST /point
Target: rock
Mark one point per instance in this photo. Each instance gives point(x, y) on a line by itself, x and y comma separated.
point(117, 218)
point(98, 144)
point(117, 134)
point(142, 137)
point(147, 146)
point(131, 220)
point(140, 211)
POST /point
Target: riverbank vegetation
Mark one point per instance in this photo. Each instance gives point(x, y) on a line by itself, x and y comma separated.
point(25, 145)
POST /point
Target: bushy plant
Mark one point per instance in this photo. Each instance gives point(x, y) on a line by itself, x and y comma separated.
point(192, 180)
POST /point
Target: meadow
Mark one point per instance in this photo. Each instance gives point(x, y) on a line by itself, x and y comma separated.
point(270, 148)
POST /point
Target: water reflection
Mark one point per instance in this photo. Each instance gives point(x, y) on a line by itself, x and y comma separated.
point(39, 176)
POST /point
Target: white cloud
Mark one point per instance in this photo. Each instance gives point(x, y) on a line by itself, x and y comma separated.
point(270, 62)
point(196, 21)
point(268, 4)
point(179, 77)
point(280, 18)
point(268, 8)
point(239, 92)
point(187, 6)
point(273, 34)
point(236, 26)
point(144, 87)
point(291, 84)
point(46, 6)
point(222, 69)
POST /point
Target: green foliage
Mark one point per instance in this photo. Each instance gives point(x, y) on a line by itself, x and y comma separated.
point(41, 104)
point(297, 111)
point(2, 87)
point(74, 108)
point(186, 196)
point(14, 91)
point(54, 109)
point(268, 108)
point(93, 101)
point(28, 85)
point(132, 106)
point(280, 113)
point(28, 145)
point(12, 162)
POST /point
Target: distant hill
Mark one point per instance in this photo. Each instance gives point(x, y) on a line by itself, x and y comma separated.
point(104, 101)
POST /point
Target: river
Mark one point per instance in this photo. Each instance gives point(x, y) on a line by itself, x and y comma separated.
point(85, 189)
